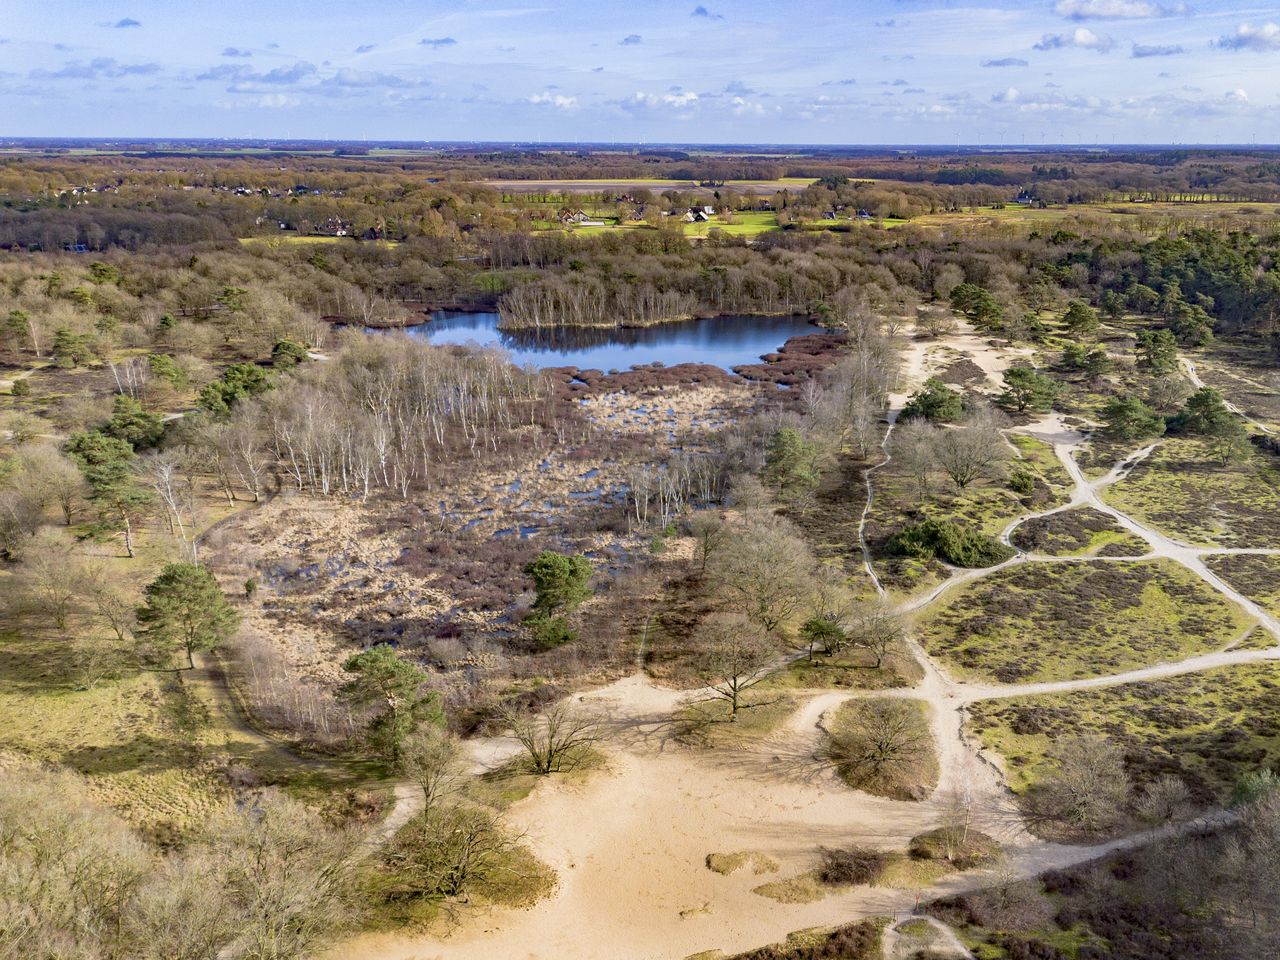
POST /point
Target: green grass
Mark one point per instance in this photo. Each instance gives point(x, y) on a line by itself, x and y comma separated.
point(709, 723)
point(1185, 493)
point(1207, 728)
point(1059, 621)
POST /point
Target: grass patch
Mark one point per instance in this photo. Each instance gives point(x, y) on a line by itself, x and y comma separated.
point(1185, 493)
point(847, 670)
point(884, 747)
point(709, 723)
point(805, 888)
point(1039, 621)
point(1205, 728)
point(513, 781)
point(728, 863)
point(1080, 532)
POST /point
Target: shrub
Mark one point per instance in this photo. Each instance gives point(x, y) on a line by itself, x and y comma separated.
point(934, 401)
point(549, 632)
point(21, 388)
point(1022, 483)
point(852, 865)
point(949, 541)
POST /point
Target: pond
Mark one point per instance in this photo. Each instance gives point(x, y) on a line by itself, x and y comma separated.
point(724, 342)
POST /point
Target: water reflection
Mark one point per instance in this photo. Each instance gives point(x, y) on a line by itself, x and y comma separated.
point(722, 341)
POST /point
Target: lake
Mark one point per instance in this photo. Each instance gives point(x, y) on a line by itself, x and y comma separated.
point(724, 342)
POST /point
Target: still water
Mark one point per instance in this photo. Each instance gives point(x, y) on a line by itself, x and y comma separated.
point(722, 341)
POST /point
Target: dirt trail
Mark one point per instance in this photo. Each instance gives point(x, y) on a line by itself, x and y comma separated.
point(629, 845)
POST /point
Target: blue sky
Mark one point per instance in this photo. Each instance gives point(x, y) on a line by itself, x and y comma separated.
point(732, 71)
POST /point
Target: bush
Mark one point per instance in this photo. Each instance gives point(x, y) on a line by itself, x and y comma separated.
point(1022, 483)
point(962, 848)
point(550, 632)
point(934, 401)
point(852, 865)
point(949, 541)
point(21, 388)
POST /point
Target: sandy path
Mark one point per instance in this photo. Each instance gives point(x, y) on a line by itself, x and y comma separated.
point(1199, 384)
point(629, 845)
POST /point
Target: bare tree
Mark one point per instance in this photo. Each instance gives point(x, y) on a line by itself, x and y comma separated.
point(873, 627)
point(765, 567)
point(913, 451)
point(736, 655)
point(1088, 787)
point(971, 452)
point(880, 744)
point(709, 533)
point(555, 740)
point(433, 759)
point(55, 578)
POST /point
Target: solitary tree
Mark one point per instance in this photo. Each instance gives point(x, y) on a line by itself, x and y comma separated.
point(1128, 418)
point(765, 567)
point(554, 740)
point(934, 401)
point(1025, 389)
point(1080, 318)
point(790, 461)
point(736, 655)
point(824, 632)
point(1157, 352)
point(876, 629)
point(185, 611)
point(970, 452)
point(1207, 414)
point(389, 685)
point(433, 759)
point(561, 585)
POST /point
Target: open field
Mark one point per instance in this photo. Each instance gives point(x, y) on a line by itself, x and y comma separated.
point(1079, 532)
point(1183, 491)
point(656, 185)
point(1055, 621)
point(1206, 728)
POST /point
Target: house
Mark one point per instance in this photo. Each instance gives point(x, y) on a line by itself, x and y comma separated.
point(569, 217)
point(334, 227)
point(699, 214)
point(1024, 198)
point(864, 215)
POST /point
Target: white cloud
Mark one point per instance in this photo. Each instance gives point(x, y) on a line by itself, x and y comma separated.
point(1115, 9)
point(1006, 96)
point(1248, 37)
point(1081, 37)
point(555, 100)
point(1237, 96)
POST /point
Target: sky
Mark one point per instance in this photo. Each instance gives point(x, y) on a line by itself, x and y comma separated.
point(670, 71)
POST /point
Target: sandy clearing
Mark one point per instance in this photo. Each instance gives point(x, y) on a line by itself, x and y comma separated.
point(629, 845)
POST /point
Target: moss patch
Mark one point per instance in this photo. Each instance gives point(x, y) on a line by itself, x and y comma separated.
point(1058, 621)
point(727, 863)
